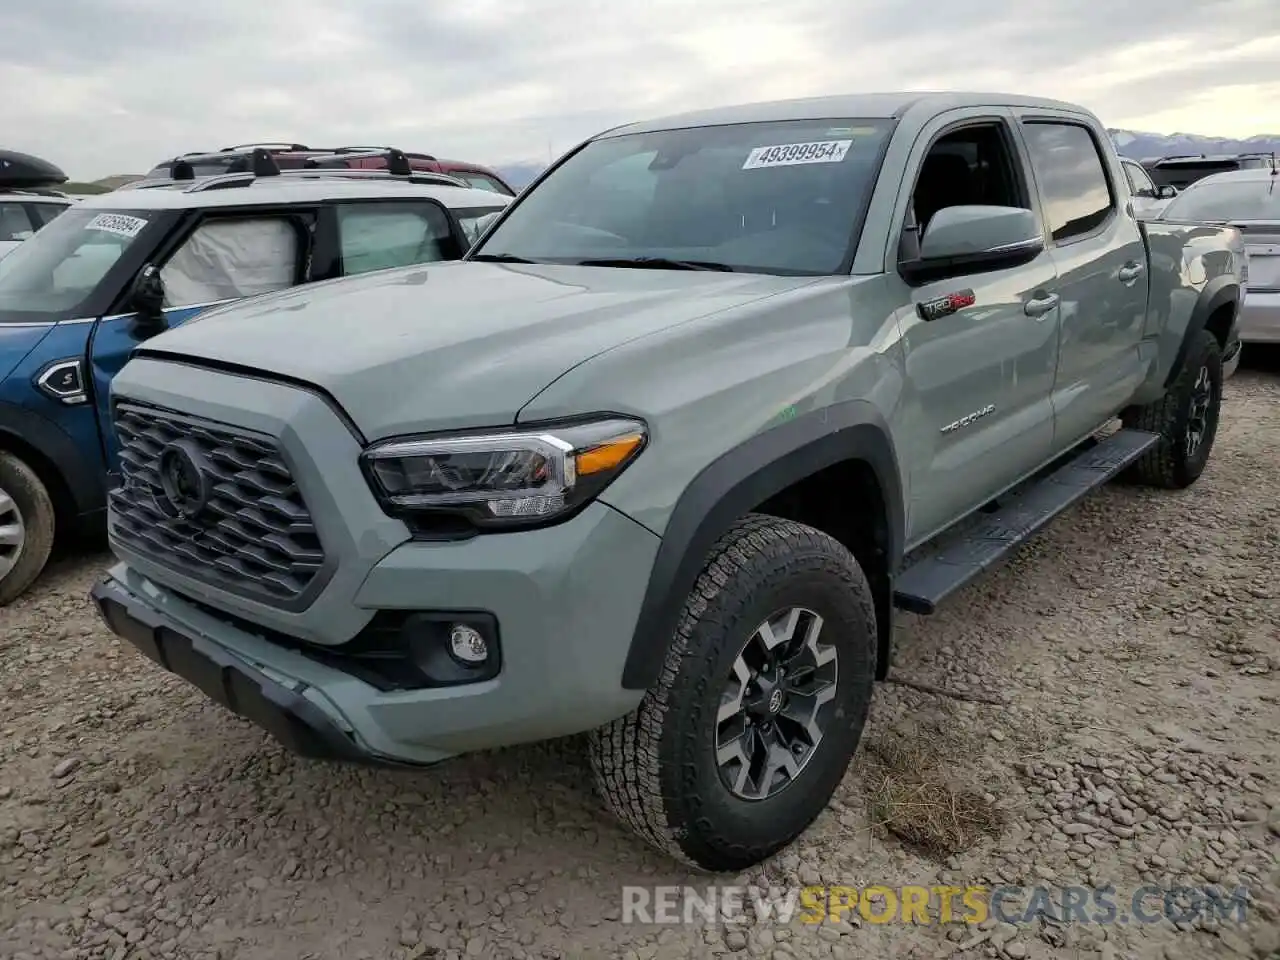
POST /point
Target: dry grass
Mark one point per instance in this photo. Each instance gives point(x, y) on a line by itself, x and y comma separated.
point(910, 795)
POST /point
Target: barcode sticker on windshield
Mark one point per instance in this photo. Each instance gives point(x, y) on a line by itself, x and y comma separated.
point(794, 154)
point(120, 224)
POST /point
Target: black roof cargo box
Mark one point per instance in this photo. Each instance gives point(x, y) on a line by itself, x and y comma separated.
point(20, 171)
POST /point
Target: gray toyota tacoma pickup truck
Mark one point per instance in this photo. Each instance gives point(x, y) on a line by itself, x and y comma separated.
point(657, 459)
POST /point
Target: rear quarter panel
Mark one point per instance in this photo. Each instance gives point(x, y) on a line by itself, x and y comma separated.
point(1194, 270)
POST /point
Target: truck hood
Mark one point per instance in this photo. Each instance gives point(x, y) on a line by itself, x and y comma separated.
point(453, 344)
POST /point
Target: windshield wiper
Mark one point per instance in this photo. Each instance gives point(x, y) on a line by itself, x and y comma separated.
point(655, 263)
point(502, 258)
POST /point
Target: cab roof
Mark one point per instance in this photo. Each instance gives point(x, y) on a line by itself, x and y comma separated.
point(860, 106)
point(272, 191)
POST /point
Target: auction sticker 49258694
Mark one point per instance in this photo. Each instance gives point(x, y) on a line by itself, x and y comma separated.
point(794, 154)
point(121, 224)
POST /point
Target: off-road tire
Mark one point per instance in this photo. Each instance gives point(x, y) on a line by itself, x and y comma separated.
point(29, 493)
point(656, 767)
point(1168, 464)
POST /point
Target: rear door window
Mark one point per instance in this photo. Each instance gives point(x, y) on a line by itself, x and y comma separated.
point(15, 222)
point(378, 236)
point(480, 181)
point(1071, 176)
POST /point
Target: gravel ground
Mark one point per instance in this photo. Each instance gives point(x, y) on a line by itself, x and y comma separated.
point(1130, 655)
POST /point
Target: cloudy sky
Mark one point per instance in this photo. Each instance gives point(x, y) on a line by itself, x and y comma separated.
point(114, 86)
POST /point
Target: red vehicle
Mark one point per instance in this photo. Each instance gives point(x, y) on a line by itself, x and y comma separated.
point(296, 156)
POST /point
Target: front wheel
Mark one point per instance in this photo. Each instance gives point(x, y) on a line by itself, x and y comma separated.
point(1185, 418)
point(763, 696)
point(26, 527)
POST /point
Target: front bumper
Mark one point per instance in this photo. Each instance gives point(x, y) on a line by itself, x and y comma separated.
point(565, 600)
point(285, 713)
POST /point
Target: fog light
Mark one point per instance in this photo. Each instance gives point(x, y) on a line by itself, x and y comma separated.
point(467, 644)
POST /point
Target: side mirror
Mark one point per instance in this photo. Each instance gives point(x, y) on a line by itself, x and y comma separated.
point(974, 239)
point(147, 298)
point(1166, 192)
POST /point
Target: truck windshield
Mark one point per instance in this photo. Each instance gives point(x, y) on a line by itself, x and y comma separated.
point(1253, 199)
point(55, 271)
point(783, 198)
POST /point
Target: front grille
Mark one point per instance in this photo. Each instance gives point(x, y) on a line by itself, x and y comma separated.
point(254, 536)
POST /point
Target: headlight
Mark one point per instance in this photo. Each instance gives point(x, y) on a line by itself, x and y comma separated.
point(520, 477)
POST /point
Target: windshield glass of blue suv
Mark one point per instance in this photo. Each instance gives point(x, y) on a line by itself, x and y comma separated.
point(778, 198)
point(58, 268)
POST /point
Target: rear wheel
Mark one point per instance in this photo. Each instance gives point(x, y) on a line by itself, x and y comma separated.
point(1186, 419)
point(762, 700)
point(26, 527)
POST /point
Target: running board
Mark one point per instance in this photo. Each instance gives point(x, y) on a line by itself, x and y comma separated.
point(964, 556)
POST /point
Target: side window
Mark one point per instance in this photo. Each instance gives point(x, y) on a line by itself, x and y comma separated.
point(378, 236)
point(480, 181)
point(1140, 184)
point(972, 165)
point(1073, 182)
point(230, 259)
point(15, 223)
point(46, 212)
point(475, 220)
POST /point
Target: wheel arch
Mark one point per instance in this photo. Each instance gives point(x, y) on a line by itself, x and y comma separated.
point(850, 437)
point(75, 483)
point(1216, 311)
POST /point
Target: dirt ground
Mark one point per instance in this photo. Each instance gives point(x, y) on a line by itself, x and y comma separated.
point(1130, 657)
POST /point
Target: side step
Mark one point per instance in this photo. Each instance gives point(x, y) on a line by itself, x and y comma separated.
point(964, 556)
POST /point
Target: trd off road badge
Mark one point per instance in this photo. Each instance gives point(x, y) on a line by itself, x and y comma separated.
point(945, 306)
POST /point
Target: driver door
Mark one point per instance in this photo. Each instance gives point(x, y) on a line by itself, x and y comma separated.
point(220, 259)
point(979, 370)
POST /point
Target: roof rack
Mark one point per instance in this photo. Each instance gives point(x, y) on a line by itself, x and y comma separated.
point(261, 164)
point(269, 145)
point(331, 163)
point(429, 177)
point(33, 192)
point(367, 149)
point(321, 167)
point(1215, 157)
point(396, 160)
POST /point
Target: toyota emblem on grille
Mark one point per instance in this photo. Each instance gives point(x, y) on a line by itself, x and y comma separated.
point(187, 488)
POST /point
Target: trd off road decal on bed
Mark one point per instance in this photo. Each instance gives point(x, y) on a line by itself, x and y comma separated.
point(117, 223)
point(794, 154)
point(946, 305)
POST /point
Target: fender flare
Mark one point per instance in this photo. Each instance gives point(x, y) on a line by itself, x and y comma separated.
point(1218, 293)
point(82, 479)
point(740, 480)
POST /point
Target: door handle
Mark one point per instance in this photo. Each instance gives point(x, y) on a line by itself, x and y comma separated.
point(1038, 306)
point(1130, 272)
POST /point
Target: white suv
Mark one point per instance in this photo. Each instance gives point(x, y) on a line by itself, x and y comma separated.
point(23, 212)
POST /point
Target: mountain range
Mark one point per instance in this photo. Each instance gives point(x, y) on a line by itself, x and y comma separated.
point(1137, 144)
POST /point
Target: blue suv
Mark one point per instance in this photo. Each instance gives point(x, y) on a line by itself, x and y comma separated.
point(80, 294)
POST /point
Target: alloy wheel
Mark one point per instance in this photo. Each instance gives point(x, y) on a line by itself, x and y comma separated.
point(1199, 416)
point(772, 709)
point(13, 533)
